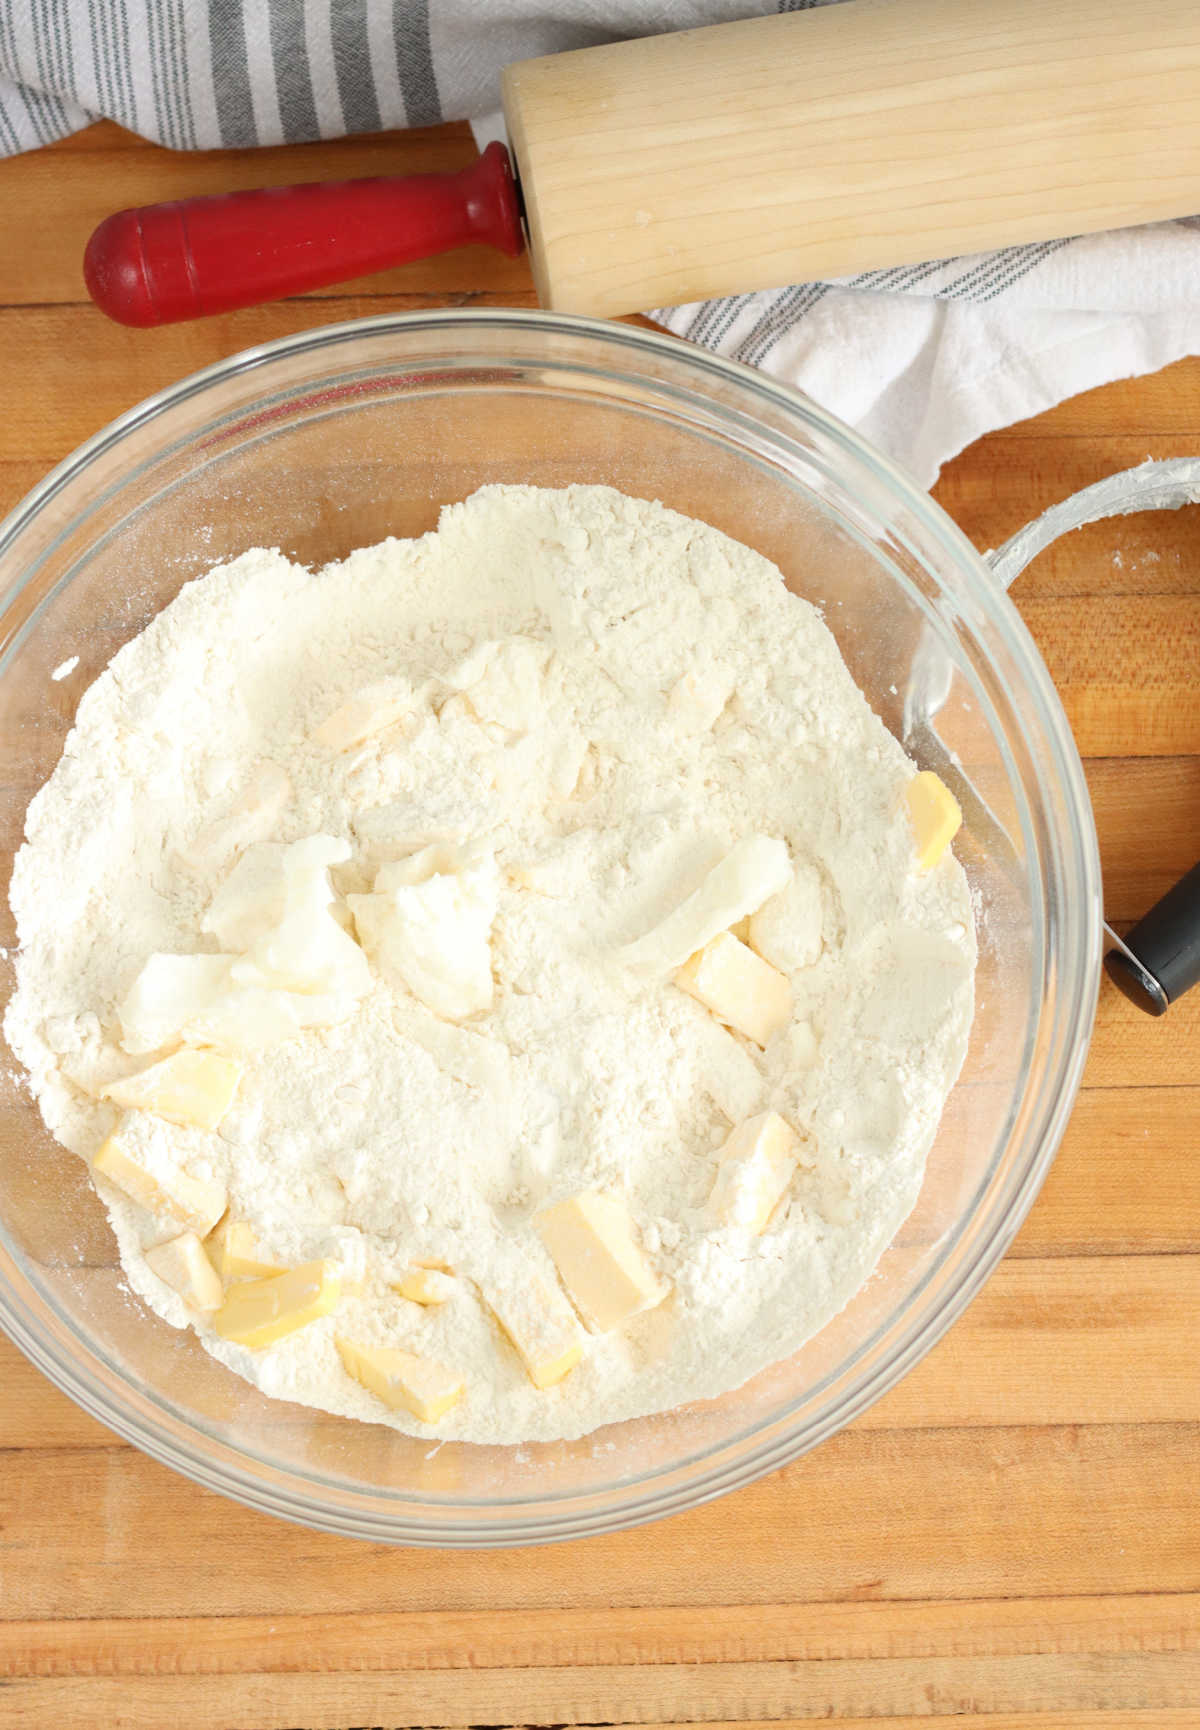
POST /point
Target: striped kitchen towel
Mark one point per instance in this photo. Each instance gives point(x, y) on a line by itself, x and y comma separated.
point(922, 359)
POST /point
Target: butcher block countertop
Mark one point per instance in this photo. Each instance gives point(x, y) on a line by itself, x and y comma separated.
point(1011, 1538)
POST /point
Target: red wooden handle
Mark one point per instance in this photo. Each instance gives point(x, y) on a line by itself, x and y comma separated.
point(165, 262)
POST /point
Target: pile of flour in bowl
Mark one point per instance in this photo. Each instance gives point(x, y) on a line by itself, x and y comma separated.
point(553, 855)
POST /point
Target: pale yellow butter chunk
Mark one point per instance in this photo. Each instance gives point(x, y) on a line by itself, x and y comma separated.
point(261, 1311)
point(402, 1380)
point(183, 1265)
point(236, 1253)
point(425, 1285)
point(193, 1088)
point(756, 868)
point(935, 814)
point(144, 1171)
point(739, 987)
point(370, 711)
point(592, 1243)
point(756, 1166)
point(541, 1326)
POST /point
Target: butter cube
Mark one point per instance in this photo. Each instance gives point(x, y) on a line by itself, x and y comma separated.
point(756, 868)
point(739, 987)
point(935, 814)
point(591, 1240)
point(370, 711)
point(542, 1327)
point(194, 1088)
point(756, 1166)
point(260, 1311)
point(235, 1252)
point(143, 1168)
point(183, 1265)
point(402, 1380)
point(425, 1285)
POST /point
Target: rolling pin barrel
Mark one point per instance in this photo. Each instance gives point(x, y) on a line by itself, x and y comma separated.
point(825, 142)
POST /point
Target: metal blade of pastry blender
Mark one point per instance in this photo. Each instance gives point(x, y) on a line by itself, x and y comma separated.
point(1152, 486)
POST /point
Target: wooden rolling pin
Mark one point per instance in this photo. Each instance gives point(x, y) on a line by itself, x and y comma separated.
point(742, 156)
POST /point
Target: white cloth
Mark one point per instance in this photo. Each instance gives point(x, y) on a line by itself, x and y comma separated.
point(922, 359)
point(926, 363)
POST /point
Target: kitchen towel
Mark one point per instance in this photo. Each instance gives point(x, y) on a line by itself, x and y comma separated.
point(922, 358)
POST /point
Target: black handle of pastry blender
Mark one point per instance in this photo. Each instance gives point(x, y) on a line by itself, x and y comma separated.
point(1160, 958)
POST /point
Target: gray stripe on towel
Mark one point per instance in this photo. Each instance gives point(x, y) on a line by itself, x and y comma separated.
point(293, 81)
point(352, 67)
point(414, 62)
point(231, 73)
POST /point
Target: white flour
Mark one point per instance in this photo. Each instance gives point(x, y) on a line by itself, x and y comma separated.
point(613, 786)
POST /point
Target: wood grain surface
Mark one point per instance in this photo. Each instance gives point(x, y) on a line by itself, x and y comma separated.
point(1010, 1539)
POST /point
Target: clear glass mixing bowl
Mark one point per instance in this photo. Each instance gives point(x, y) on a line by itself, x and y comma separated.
point(336, 438)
